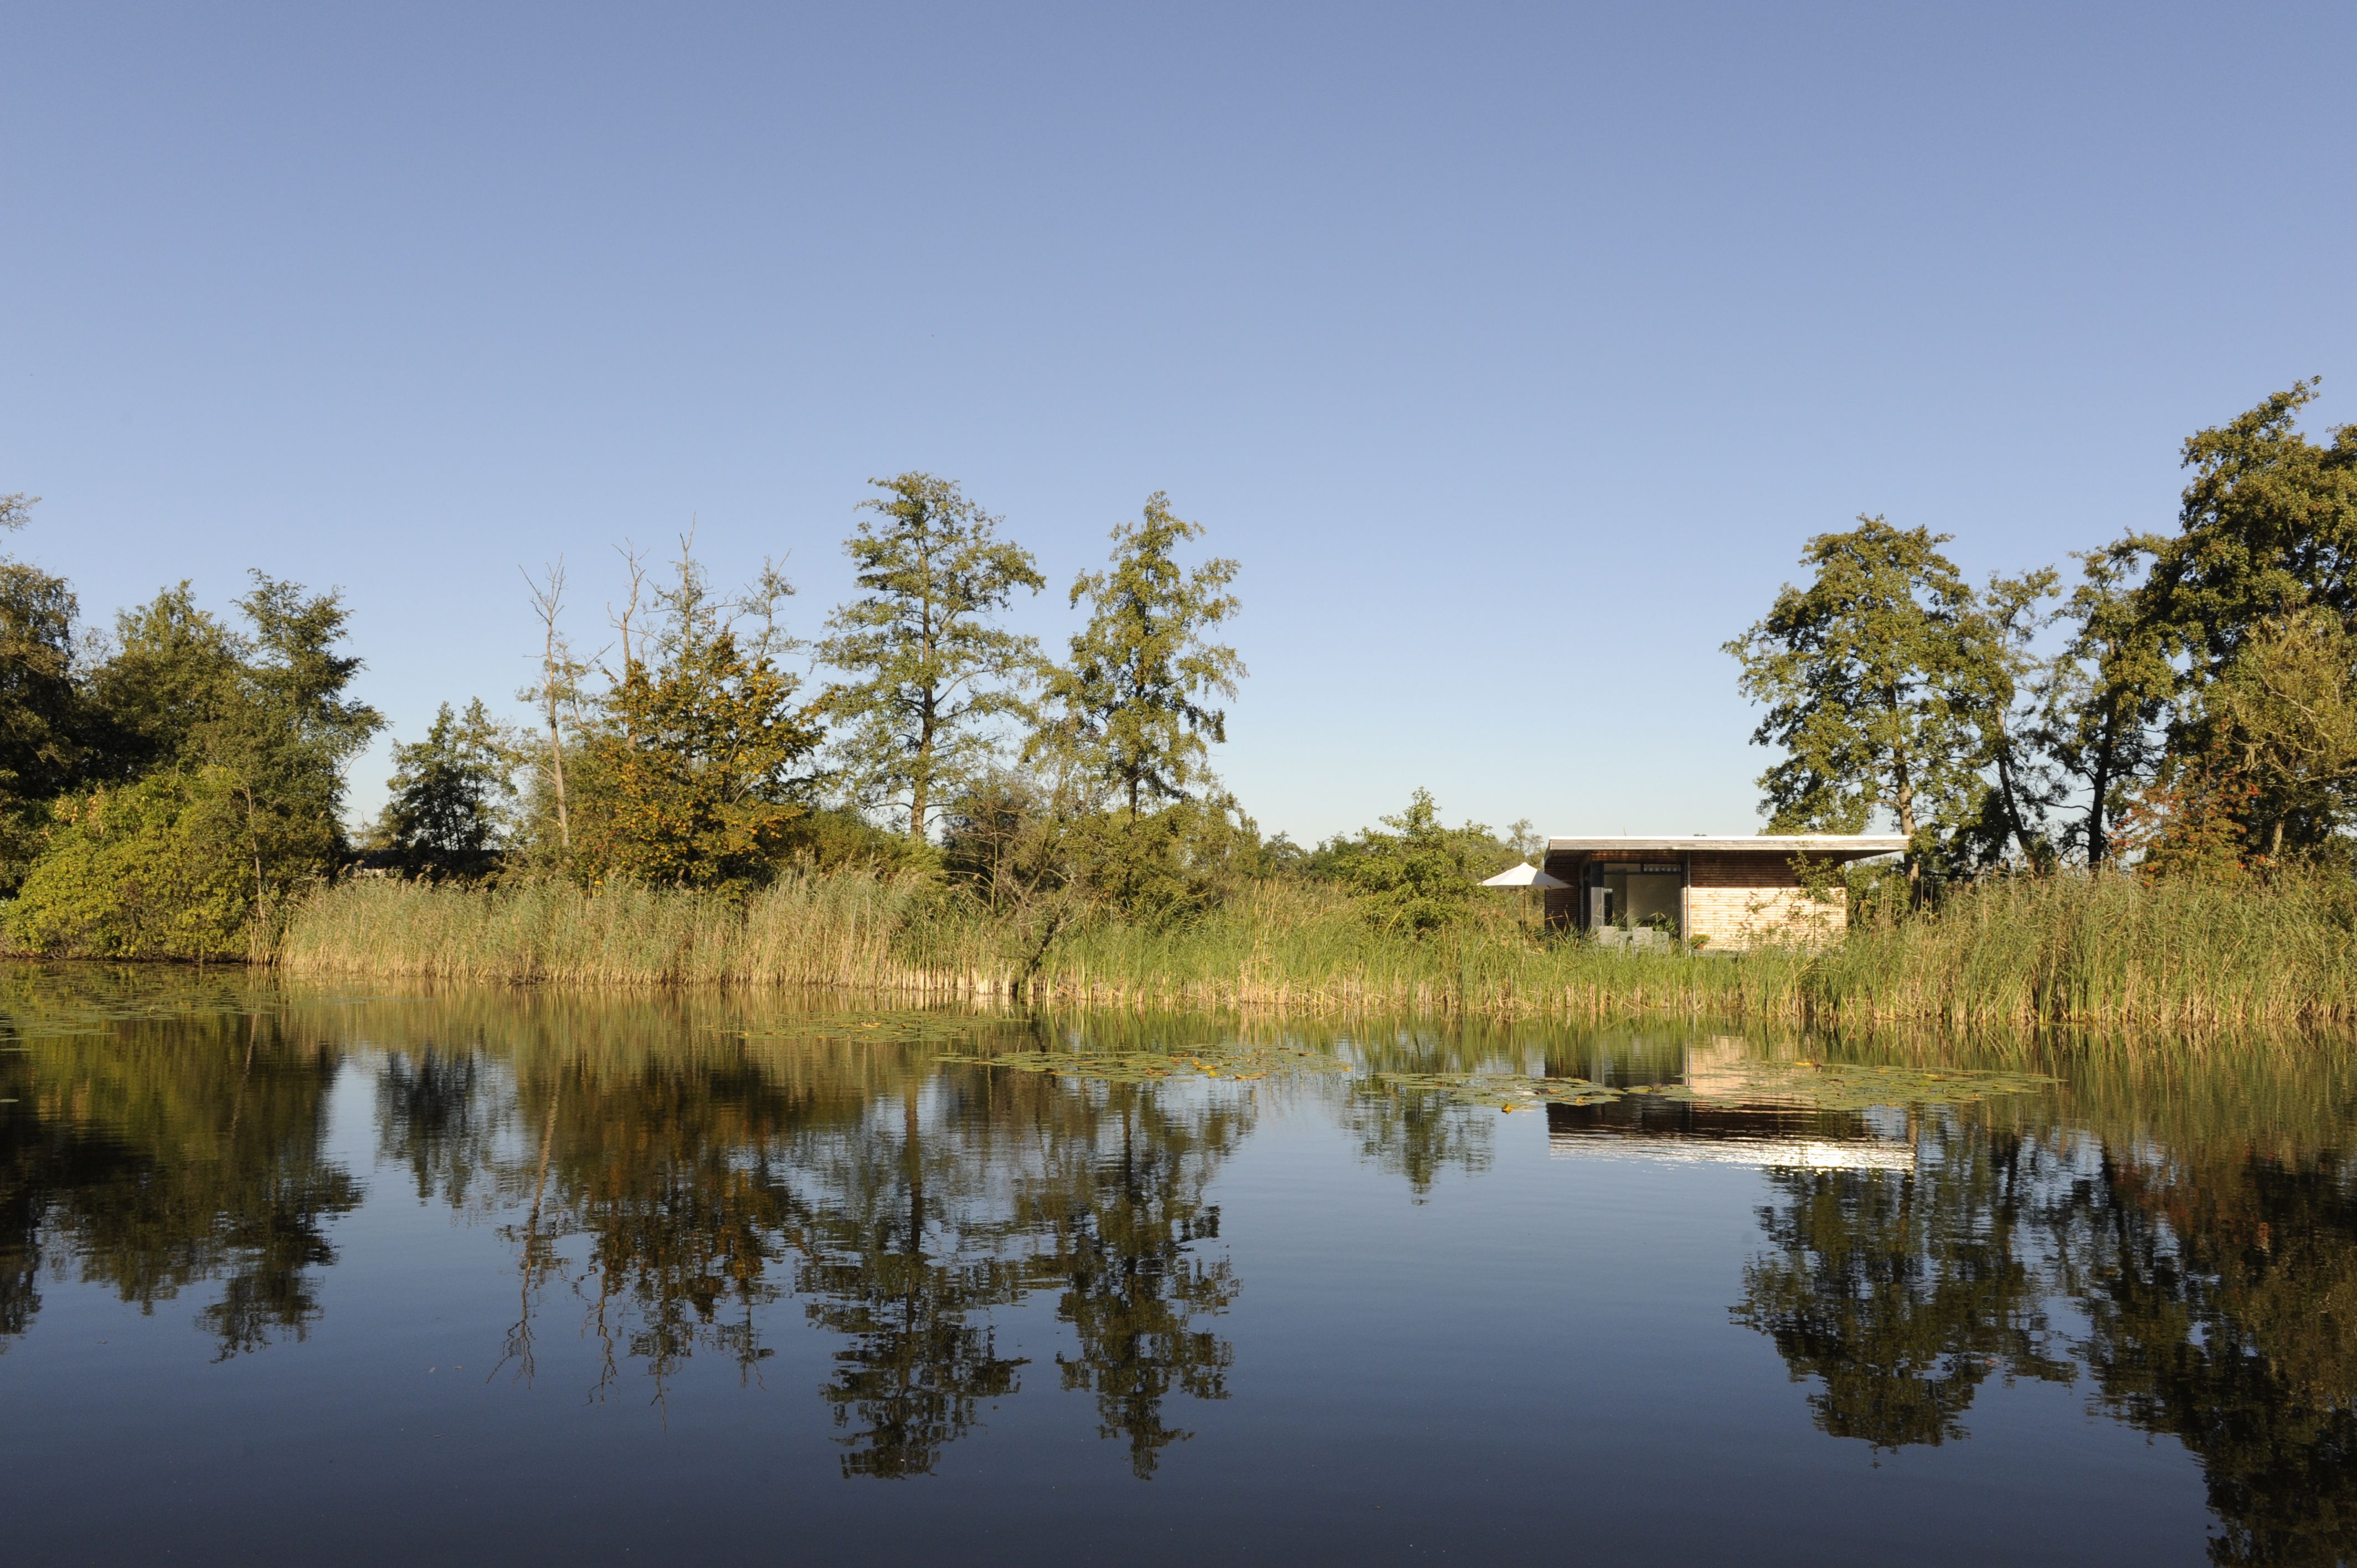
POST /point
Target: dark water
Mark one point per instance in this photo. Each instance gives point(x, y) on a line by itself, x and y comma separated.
point(328, 1277)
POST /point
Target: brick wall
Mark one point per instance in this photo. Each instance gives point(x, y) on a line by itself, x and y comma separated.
point(1738, 899)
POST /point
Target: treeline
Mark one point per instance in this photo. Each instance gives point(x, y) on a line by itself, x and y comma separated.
point(163, 789)
point(2186, 705)
point(2189, 704)
point(170, 789)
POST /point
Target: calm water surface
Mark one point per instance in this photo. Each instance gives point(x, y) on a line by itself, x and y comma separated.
point(355, 1276)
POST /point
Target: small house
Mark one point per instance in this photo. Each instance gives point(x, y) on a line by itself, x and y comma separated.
point(1722, 892)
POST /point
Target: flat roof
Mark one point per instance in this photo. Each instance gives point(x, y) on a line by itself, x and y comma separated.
point(1785, 844)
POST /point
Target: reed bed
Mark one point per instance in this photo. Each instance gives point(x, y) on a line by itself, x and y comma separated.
point(2104, 952)
point(860, 932)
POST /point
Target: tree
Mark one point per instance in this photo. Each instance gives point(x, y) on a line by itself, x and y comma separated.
point(2284, 715)
point(2103, 692)
point(2266, 539)
point(1133, 699)
point(42, 749)
point(451, 793)
point(285, 731)
point(1867, 676)
point(2267, 528)
point(689, 776)
point(203, 726)
point(2002, 682)
point(557, 691)
point(929, 669)
point(173, 675)
point(1419, 877)
point(150, 869)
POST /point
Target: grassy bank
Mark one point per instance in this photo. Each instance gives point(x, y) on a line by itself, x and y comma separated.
point(2110, 951)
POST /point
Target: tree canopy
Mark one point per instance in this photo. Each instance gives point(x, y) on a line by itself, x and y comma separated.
point(1135, 697)
point(1876, 676)
point(928, 669)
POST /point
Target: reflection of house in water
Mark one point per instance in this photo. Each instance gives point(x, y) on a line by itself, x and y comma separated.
point(1694, 1131)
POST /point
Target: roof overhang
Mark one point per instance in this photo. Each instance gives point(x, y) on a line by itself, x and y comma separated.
point(1845, 846)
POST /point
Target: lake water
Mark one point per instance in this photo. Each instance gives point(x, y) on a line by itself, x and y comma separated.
point(364, 1275)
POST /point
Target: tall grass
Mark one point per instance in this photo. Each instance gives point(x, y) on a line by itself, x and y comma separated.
point(889, 935)
point(2185, 956)
point(2107, 950)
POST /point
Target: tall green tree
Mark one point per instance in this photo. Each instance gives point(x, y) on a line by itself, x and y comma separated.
point(1136, 699)
point(2003, 680)
point(695, 773)
point(285, 730)
point(929, 670)
point(2103, 694)
point(451, 793)
point(2267, 529)
point(1875, 680)
point(41, 714)
point(216, 782)
point(2283, 719)
point(2250, 602)
point(172, 678)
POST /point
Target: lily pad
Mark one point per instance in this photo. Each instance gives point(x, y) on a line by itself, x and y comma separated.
point(1234, 1060)
point(1854, 1086)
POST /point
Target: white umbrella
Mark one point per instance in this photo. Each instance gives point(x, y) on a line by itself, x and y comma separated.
point(1526, 875)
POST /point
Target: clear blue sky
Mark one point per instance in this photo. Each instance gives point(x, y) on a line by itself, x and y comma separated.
point(1513, 350)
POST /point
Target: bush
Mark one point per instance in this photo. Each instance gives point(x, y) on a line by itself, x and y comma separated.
point(153, 869)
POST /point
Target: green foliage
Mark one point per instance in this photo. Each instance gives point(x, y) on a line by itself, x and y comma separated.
point(1874, 677)
point(224, 753)
point(1419, 877)
point(452, 794)
point(2002, 689)
point(2267, 529)
point(930, 669)
point(2238, 636)
point(2283, 716)
point(173, 673)
point(42, 746)
point(281, 731)
point(689, 776)
point(1054, 856)
point(152, 869)
point(1132, 701)
point(1163, 867)
point(2100, 693)
point(837, 838)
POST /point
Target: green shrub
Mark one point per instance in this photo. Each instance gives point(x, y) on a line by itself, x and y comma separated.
point(154, 869)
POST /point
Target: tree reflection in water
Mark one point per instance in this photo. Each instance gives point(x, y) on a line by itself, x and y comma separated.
point(156, 1155)
point(1901, 1293)
point(2221, 1296)
point(2214, 1289)
point(900, 1204)
point(2185, 1238)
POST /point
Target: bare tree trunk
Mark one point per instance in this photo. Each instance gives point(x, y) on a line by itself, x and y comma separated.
point(635, 560)
point(2005, 793)
point(921, 771)
point(555, 674)
point(556, 775)
point(2099, 780)
point(1904, 800)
